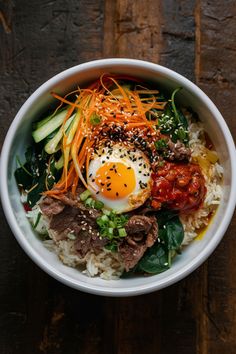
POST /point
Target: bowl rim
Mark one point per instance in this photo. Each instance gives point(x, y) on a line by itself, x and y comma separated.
point(97, 289)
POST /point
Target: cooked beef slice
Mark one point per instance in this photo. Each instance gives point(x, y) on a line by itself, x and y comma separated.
point(178, 151)
point(89, 241)
point(142, 233)
point(50, 206)
point(131, 254)
point(74, 201)
point(66, 221)
point(70, 216)
point(138, 223)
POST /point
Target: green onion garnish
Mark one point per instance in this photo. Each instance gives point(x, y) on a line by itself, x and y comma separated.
point(98, 204)
point(95, 119)
point(89, 202)
point(122, 232)
point(83, 196)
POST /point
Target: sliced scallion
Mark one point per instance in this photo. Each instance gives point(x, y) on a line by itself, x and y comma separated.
point(98, 204)
point(104, 218)
point(89, 202)
point(95, 119)
point(122, 232)
point(83, 196)
point(112, 224)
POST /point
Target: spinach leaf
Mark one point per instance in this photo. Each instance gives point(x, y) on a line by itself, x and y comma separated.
point(172, 233)
point(173, 122)
point(23, 175)
point(171, 230)
point(163, 216)
point(158, 258)
point(155, 260)
point(37, 174)
point(183, 119)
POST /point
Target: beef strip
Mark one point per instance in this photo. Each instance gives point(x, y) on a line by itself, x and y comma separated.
point(66, 221)
point(74, 201)
point(89, 241)
point(69, 215)
point(142, 233)
point(50, 206)
point(178, 151)
point(138, 223)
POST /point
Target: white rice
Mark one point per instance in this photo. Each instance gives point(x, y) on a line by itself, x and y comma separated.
point(107, 264)
point(213, 174)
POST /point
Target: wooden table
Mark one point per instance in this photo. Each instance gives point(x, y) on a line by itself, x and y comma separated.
point(37, 40)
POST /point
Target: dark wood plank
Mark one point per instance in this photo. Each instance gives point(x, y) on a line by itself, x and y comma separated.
point(215, 49)
point(178, 36)
point(132, 29)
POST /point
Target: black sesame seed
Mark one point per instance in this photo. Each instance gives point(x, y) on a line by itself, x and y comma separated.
point(117, 194)
point(108, 189)
point(125, 184)
point(108, 184)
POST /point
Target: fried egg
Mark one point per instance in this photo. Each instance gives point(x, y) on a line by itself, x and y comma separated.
point(120, 177)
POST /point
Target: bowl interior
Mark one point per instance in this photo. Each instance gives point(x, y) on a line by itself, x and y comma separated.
point(19, 137)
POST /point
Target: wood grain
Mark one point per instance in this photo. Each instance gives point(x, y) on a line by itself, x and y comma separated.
point(41, 38)
point(215, 57)
point(216, 47)
point(178, 36)
point(132, 29)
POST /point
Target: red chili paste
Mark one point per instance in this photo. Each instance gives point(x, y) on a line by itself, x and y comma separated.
point(178, 186)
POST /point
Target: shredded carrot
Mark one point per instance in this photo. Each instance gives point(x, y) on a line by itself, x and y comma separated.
point(113, 105)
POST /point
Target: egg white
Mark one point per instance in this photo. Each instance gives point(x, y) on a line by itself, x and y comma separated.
point(131, 157)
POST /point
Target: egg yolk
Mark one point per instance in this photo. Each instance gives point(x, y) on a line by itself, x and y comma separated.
point(115, 180)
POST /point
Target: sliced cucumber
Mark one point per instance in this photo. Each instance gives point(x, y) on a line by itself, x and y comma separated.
point(49, 126)
point(52, 144)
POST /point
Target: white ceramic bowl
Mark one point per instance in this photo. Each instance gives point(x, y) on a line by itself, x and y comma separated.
point(16, 143)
